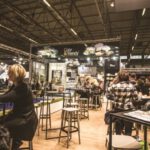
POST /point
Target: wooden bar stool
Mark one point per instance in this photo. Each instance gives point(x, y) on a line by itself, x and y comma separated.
point(70, 123)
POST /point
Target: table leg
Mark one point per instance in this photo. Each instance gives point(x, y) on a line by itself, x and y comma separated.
point(4, 109)
point(110, 133)
point(145, 138)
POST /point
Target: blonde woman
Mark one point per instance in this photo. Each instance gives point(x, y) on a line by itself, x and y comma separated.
point(22, 120)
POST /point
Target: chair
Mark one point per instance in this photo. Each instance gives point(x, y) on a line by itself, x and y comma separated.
point(124, 142)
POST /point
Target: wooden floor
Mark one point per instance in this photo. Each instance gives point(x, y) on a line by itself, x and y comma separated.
point(93, 134)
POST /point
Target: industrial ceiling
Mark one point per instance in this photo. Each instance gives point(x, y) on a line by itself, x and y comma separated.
point(26, 22)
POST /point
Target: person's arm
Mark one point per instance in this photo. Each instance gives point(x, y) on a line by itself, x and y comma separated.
point(8, 97)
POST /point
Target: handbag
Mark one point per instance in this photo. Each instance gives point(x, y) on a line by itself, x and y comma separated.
point(107, 117)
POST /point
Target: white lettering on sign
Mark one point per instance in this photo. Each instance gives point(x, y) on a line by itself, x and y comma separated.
point(69, 52)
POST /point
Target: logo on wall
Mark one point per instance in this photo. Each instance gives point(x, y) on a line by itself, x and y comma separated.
point(70, 52)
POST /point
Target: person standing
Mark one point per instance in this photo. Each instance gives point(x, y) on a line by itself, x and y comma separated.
point(22, 120)
point(125, 97)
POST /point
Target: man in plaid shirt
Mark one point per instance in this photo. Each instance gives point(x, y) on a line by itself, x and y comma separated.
point(125, 94)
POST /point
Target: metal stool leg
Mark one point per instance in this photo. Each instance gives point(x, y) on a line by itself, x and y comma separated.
point(78, 127)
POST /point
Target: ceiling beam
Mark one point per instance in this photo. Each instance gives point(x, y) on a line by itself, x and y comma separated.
point(62, 21)
point(82, 19)
point(131, 42)
point(107, 17)
point(108, 40)
point(145, 48)
point(15, 50)
point(100, 17)
point(28, 19)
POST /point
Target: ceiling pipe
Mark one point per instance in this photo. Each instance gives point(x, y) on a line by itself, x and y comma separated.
point(15, 50)
point(117, 39)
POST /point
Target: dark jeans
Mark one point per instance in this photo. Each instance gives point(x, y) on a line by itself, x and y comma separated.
point(122, 124)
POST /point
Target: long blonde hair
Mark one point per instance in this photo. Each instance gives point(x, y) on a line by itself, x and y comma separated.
point(17, 71)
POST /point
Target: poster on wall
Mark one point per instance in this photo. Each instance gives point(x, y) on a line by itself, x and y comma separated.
point(57, 77)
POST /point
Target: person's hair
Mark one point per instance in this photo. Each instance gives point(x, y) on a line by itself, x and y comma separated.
point(123, 75)
point(17, 71)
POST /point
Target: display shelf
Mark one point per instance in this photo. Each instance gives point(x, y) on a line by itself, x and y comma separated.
point(140, 71)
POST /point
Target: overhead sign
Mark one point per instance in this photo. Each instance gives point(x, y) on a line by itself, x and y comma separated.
point(136, 57)
point(69, 52)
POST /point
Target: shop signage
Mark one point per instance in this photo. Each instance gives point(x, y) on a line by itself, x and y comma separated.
point(136, 57)
point(70, 52)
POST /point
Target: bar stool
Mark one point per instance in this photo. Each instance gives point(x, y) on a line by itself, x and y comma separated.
point(45, 113)
point(71, 117)
point(96, 102)
point(68, 101)
point(84, 108)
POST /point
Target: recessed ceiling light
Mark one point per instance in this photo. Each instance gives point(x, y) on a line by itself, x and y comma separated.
point(112, 4)
point(136, 36)
point(143, 12)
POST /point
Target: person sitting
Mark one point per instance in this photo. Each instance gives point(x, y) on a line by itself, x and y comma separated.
point(125, 96)
point(22, 120)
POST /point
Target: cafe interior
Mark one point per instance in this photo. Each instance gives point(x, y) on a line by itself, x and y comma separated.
point(88, 65)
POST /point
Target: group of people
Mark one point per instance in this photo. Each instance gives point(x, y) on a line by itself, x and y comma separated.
point(125, 94)
point(88, 86)
point(36, 85)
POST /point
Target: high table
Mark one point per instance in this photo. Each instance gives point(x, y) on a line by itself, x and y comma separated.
point(3, 105)
point(52, 94)
point(121, 115)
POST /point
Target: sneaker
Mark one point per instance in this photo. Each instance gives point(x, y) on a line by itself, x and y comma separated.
point(137, 138)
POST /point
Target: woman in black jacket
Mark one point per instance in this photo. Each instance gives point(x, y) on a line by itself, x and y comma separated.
point(22, 120)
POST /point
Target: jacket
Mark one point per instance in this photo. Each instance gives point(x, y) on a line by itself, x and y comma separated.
point(22, 120)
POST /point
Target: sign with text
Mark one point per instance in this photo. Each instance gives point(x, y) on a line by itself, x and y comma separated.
point(69, 52)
